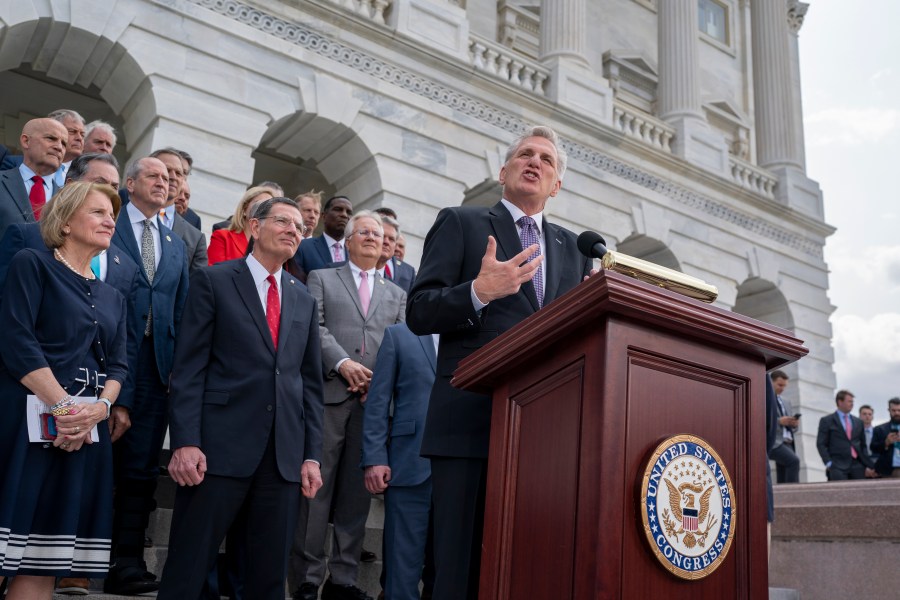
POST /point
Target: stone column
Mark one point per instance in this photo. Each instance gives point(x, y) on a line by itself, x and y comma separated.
point(572, 82)
point(773, 89)
point(678, 90)
point(796, 14)
point(563, 32)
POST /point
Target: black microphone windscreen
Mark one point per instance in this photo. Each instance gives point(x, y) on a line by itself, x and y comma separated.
point(586, 242)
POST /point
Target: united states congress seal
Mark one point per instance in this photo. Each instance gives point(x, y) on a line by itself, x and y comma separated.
point(687, 507)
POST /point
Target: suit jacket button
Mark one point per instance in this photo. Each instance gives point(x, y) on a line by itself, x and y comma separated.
point(277, 371)
point(269, 407)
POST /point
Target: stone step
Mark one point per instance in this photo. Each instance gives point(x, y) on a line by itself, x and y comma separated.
point(783, 594)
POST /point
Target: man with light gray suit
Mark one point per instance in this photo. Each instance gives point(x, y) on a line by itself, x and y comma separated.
point(355, 305)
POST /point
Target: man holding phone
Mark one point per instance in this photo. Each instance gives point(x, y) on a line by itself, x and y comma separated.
point(787, 462)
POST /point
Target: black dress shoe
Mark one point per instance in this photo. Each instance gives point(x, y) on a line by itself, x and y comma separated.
point(334, 591)
point(130, 581)
point(367, 556)
point(306, 591)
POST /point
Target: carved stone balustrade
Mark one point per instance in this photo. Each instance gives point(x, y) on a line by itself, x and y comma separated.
point(753, 178)
point(643, 127)
point(508, 65)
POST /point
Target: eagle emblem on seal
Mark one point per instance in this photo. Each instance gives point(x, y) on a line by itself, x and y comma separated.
point(689, 503)
point(687, 506)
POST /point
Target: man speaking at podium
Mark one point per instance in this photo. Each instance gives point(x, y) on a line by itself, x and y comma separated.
point(483, 270)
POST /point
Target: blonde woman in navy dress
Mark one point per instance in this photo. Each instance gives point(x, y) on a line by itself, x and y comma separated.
point(63, 336)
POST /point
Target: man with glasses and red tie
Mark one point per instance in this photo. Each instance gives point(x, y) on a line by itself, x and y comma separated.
point(356, 305)
point(245, 411)
point(25, 189)
point(840, 443)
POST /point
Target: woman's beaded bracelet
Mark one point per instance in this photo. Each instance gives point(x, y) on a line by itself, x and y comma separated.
point(62, 407)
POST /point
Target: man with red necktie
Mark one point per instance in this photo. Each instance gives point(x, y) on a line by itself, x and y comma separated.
point(245, 411)
point(25, 189)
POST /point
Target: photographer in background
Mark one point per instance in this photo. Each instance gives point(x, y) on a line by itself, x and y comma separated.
point(886, 441)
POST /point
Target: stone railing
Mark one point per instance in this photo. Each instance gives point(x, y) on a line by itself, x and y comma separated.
point(751, 177)
point(509, 65)
point(372, 9)
point(643, 127)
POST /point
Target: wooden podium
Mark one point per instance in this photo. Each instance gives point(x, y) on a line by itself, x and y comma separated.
point(583, 392)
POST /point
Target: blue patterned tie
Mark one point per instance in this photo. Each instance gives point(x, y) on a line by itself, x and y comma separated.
point(528, 233)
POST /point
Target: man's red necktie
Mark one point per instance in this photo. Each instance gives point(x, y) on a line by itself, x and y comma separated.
point(37, 196)
point(273, 309)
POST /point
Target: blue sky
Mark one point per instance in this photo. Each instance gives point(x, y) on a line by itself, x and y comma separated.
point(850, 70)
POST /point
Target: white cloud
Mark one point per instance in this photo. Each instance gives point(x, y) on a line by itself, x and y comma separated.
point(851, 126)
point(867, 345)
point(881, 265)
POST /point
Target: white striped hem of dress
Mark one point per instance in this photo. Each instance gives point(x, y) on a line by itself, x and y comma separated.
point(53, 552)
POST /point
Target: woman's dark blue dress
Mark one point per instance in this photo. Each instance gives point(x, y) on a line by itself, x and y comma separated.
point(55, 506)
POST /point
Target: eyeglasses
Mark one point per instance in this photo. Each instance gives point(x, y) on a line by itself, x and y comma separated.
point(366, 233)
point(286, 223)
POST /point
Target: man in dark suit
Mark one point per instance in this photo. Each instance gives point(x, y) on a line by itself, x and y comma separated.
point(787, 463)
point(194, 240)
point(403, 376)
point(246, 411)
point(159, 302)
point(355, 305)
point(886, 442)
point(26, 188)
point(474, 283)
point(320, 251)
point(840, 442)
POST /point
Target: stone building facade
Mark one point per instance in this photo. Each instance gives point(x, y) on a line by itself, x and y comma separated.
point(682, 120)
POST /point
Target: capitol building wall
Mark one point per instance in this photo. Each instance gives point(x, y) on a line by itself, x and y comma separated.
point(682, 120)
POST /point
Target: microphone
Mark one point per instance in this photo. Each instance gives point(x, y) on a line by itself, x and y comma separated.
point(592, 244)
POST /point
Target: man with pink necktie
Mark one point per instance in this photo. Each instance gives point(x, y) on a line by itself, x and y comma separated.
point(840, 442)
point(355, 305)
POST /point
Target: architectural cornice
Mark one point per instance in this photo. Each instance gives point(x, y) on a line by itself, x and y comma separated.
point(322, 45)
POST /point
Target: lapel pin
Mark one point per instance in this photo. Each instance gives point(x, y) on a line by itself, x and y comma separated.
point(292, 281)
point(559, 241)
point(116, 259)
point(381, 281)
point(168, 239)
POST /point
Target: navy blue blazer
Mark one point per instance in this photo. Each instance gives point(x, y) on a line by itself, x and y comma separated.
point(404, 373)
point(403, 274)
point(11, 161)
point(192, 218)
point(232, 389)
point(121, 273)
point(313, 254)
point(167, 294)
